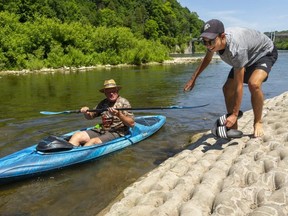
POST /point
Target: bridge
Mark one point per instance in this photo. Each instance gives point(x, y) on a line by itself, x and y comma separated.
point(274, 35)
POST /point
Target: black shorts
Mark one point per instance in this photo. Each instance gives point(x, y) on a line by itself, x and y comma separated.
point(265, 63)
point(104, 136)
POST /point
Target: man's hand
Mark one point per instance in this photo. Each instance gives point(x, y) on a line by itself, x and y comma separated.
point(88, 115)
point(231, 120)
point(189, 85)
point(113, 111)
point(84, 109)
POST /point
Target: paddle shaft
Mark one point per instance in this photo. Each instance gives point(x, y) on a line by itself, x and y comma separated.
point(150, 108)
point(139, 108)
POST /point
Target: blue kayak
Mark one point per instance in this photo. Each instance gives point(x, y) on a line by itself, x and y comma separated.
point(54, 153)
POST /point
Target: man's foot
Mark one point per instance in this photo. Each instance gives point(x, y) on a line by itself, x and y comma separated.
point(258, 129)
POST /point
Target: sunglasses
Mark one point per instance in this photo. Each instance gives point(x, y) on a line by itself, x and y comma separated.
point(111, 90)
point(208, 42)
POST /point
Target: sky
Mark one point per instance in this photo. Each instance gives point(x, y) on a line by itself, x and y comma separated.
point(262, 15)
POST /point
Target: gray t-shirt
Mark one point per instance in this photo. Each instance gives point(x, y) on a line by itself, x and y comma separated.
point(245, 46)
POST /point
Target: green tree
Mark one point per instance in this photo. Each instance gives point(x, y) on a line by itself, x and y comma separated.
point(56, 33)
point(108, 17)
point(151, 30)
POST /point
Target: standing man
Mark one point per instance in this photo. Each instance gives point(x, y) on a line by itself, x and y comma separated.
point(251, 55)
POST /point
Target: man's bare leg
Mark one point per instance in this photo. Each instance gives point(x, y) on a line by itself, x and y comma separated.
point(78, 138)
point(93, 141)
point(257, 99)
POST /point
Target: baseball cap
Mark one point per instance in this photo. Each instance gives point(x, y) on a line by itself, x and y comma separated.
point(212, 29)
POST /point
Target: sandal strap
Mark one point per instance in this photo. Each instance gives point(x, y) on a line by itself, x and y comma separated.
point(222, 132)
point(221, 121)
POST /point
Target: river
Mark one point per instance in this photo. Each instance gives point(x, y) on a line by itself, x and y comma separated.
point(88, 188)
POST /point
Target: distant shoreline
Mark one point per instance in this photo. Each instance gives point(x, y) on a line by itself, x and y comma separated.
point(174, 60)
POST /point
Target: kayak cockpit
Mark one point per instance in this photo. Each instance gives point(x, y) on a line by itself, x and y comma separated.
point(53, 144)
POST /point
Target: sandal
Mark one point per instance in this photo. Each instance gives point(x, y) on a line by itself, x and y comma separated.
point(221, 121)
point(224, 132)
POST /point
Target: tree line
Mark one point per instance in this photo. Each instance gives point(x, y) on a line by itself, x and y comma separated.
point(282, 42)
point(54, 33)
point(39, 34)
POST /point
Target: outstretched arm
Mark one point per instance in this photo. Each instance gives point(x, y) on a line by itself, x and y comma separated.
point(204, 63)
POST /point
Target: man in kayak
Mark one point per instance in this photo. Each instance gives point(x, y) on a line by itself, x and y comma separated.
point(114, 123)
point(251, 55)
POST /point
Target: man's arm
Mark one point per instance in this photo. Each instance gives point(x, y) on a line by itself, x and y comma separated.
point(126, 119)
point(204, 63)
point(238, 89)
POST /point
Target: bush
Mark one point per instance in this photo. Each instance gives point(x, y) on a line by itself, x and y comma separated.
point(52, 44)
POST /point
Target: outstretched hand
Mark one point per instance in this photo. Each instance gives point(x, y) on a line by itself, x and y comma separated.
point(189, 85)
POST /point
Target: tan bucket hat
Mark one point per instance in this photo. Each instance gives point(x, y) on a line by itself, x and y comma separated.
point(110, 84)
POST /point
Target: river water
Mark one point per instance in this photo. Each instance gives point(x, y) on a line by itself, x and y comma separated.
point(88, 188)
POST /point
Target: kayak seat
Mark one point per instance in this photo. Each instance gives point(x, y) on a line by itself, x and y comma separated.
point(53, 144)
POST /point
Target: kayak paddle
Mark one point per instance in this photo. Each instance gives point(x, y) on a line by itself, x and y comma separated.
point(139, 108)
